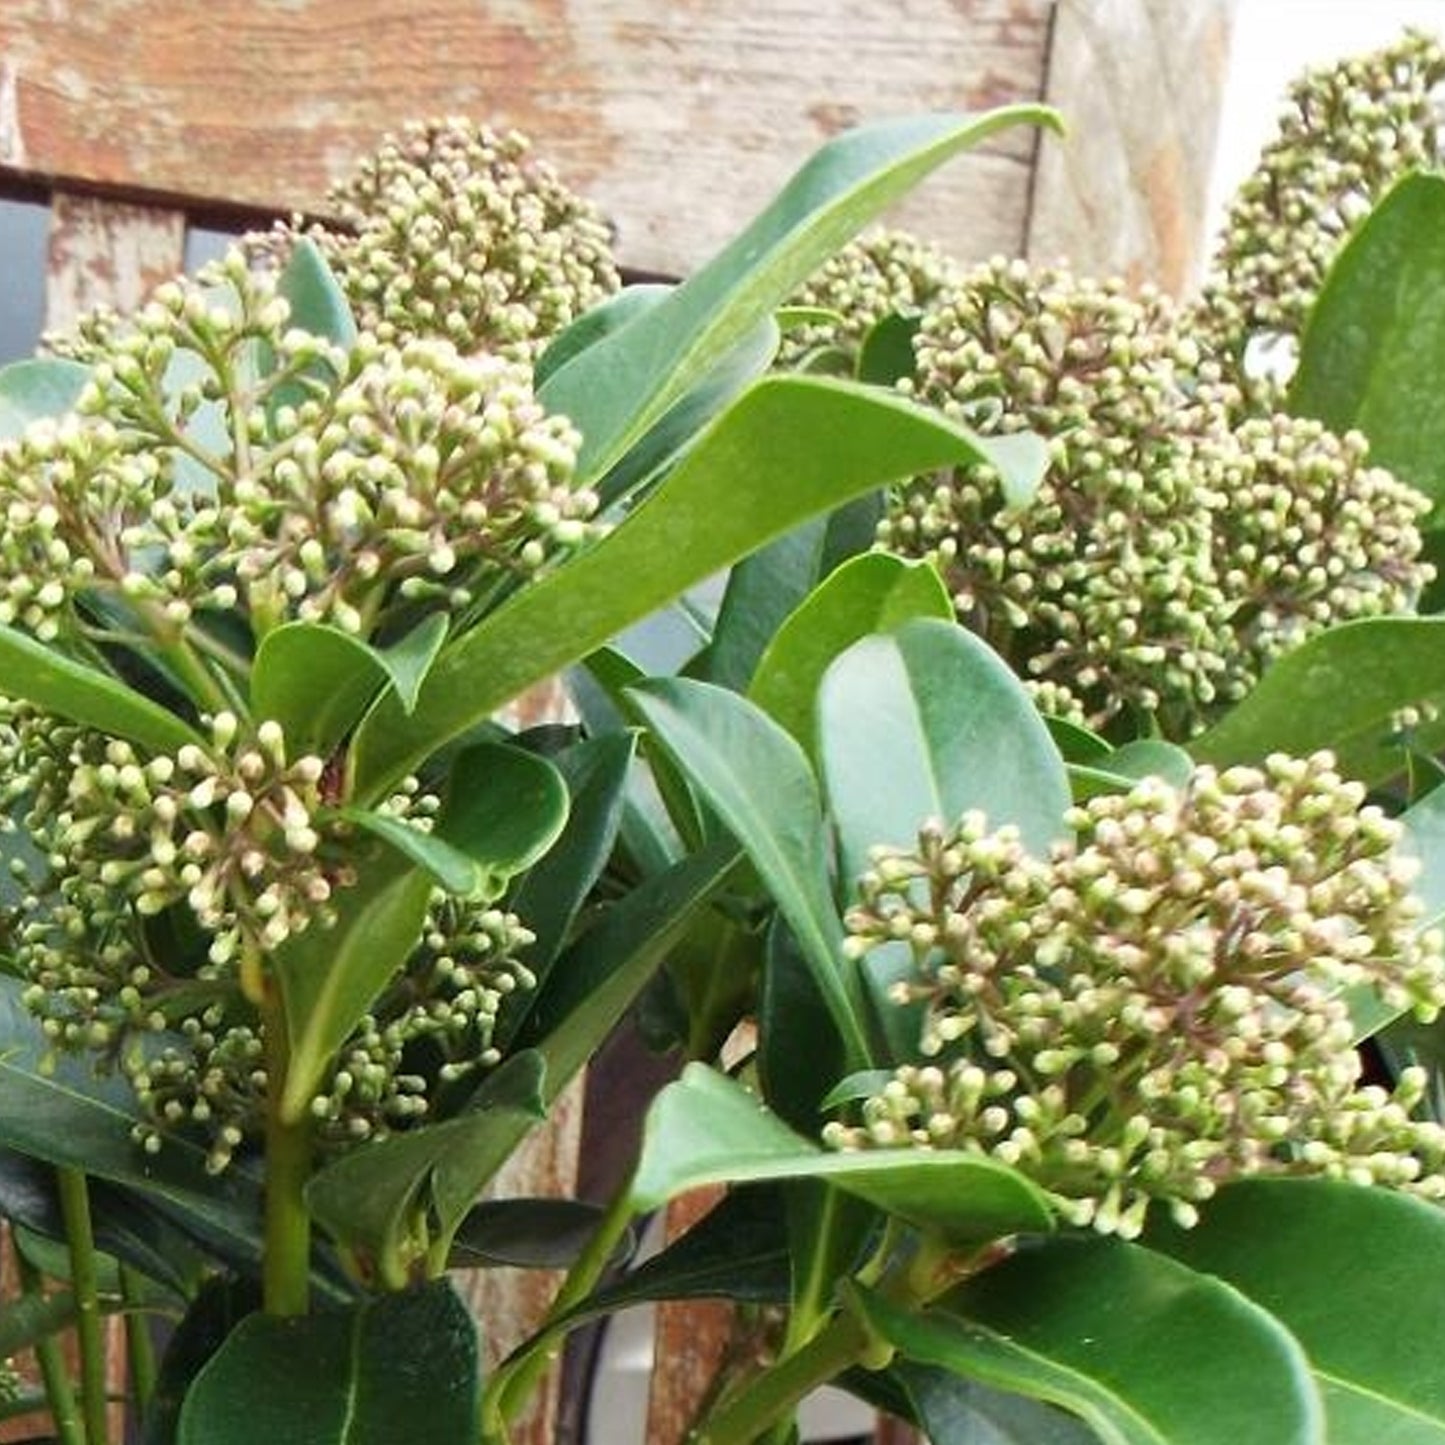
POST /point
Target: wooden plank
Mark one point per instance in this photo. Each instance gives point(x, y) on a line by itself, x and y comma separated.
point(105, 253)
point(637, 102)
point(1140, 83)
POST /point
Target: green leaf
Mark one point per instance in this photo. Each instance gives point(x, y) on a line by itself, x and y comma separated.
point(1339, 690)
point(872, 593)
point(758, 782)
point(886, 355)
point(595, 982)
point(35, 388)
point(589, 328)
point(788, 448)
point(318, 304)
point(954, 1411)
point(401, 1367)
point(1374, 348)
point(32, 1318)
point(928, 722)
point(1126, 765)
point(1366, 1319)
point(1424, 825)
point(551, 895)
point(505, 808)
point(318, 681)
point(366, 1198)
point(58, 1111)
point(1145, 1350)
point(706, 1129)
point(330, 976)
point(83, 695)
point(527, 1234)
point(616, 389)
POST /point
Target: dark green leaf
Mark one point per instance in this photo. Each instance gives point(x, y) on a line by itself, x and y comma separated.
point(1339, 690)
point(1146, 1351)
point(549, 898)
point(589, 328)
point(617, 388)
point(527, 1234)
point(57, 1111)
point(1373, 350)
point(330, 976)
point(37, 387)
point(408, 660)
point(706, 1129)
point(956, 1411)
point(758, 782)
point(788, 448)
point(1366, 1319)
point(872, 593)
point(1126, 765)
point(316, 681)
point(26, 1321)
point(1424, 825)
point(401, 1367)
point(83, 695)
point(369, 1198)
point(886, 355)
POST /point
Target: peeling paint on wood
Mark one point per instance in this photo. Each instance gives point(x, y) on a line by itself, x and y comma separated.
point(104, 253)
point(1140, 83)
point(266, 102)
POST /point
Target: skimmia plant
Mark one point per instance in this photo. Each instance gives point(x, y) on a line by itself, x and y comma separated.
point(1054, 791)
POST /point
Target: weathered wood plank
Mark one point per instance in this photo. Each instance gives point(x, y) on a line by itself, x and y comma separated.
point(105, 253)
point(1140, 83)
point(638, 103)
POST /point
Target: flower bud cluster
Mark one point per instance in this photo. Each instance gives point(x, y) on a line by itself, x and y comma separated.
point(1349, 131)
point(878, 275)
point(357, 488)
point(1138, 578)
point(153, 878)
point(453, 230)
point(1158, 1007)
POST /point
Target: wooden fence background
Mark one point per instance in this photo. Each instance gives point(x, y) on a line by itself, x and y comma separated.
point(135, 119)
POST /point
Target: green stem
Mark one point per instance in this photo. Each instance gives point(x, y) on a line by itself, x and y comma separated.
point(512, 1385)
point(85, 1282)
point(59, 1393)
point(286, 1266)
point(139, 1347)
point(774, 1394)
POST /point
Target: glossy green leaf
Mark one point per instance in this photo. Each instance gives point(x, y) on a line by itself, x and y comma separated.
point(552, 893)
point(1339, 690)
point(886, 355)
point(762, 590)
point(58, 1111)
point(401, 1367)
point(1357, 1275)
point(38, 387)
point(366, 1198)
point(595, 323)
point(330, 976)
point(707, 1129)
point(73, 690)
point(527, 1234)
point(1374, 348)
point(1143, 1349)
point(1124, 766)
point(408, 660)
point(615, 389)
point(953, 1410)
point(316, 681)
point(928, 722)
point(598, 978)
point(872, 593)
point(32, 1318)
point(1424, 825)
point(758, 782)
point(788, 448)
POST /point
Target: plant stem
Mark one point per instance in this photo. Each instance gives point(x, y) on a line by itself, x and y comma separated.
point(139, 1348)
point(84, 1281)
point(774, 1394)
point(286, 1267)
point(511, 1387)
point(59, 1393)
